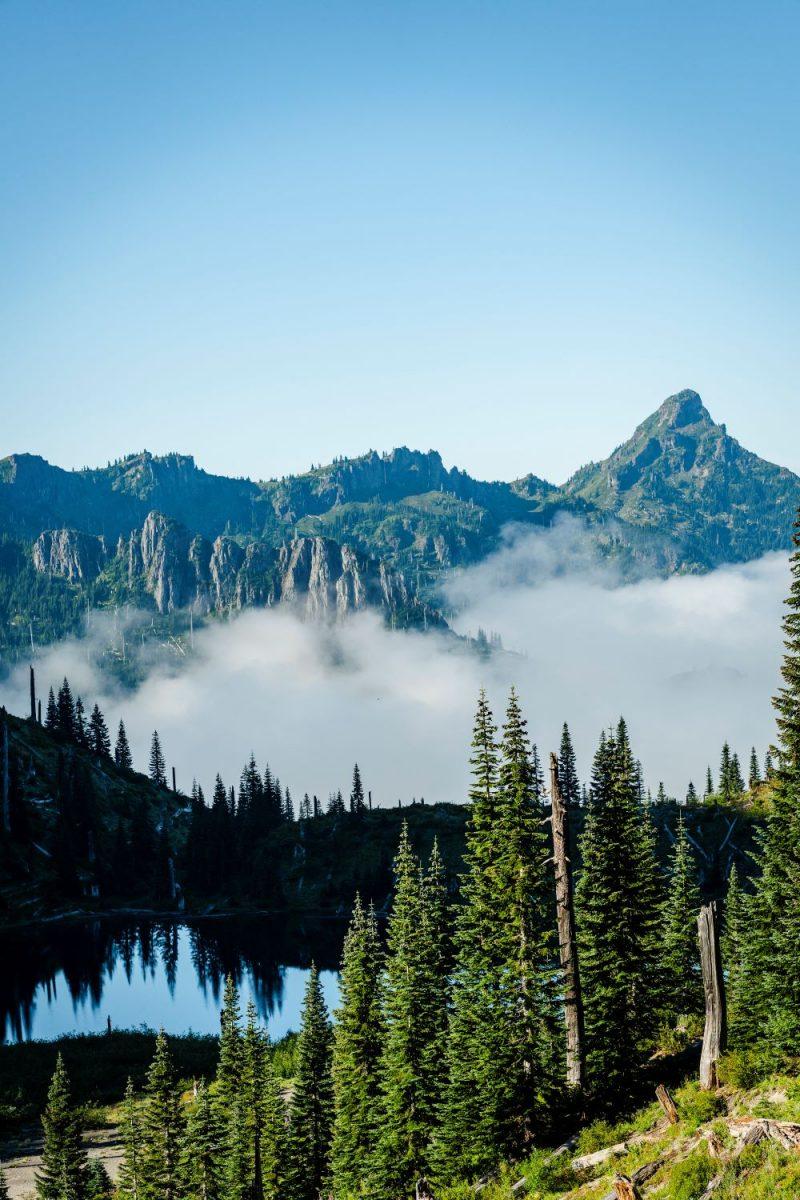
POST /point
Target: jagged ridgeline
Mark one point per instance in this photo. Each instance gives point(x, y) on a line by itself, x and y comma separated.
point(377, 531)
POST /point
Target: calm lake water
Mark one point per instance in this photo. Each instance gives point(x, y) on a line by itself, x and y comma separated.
point(71, 976)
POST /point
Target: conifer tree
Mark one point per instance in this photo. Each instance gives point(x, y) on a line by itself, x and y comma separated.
point(229, 1069)
point(258, 1132)
point(736, 781)
point(691, 795)
point(237, 1158)
point(617, 902)
point(157, 768)
point(787, 700)
point(567, 775)
point(768, 765)
point(709, 784)
point(357, 804)
point(357, 1041)
point(66, 710)
point(733, 936)
point(202, 1159)
point(754, 778)
point(311, 1107)
point(680, 959)
point(99, 741)
point(130, 1184)
point(726, 789)
point(81, 728)
point(466, 1143)
point(437, 953)
point(122, 751)
point(502, 1045)
point(51, 716)
point(62, 1175)
point(162, 1127)
point(401, 1154)
point(98, 1181)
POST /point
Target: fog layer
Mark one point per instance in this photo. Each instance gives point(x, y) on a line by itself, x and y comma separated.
point(689, 661)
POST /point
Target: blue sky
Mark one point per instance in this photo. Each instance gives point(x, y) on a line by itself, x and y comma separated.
point(268, 234)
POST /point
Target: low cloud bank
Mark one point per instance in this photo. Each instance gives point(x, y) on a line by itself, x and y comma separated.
point(690, 662)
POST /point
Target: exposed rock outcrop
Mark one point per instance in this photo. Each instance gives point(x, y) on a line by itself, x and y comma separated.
point(78, 557)
point(313, 575)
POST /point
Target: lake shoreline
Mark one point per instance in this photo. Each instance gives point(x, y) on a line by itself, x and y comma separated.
point(170, 914)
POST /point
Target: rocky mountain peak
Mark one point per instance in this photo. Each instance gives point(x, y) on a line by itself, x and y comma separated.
point(682, 409)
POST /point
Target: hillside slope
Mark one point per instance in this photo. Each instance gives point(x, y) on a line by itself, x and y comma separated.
point(680, 495)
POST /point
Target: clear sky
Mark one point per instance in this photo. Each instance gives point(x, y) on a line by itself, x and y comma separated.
point(271, 233)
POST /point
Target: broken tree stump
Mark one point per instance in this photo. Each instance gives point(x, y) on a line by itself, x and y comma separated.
point(625, 1188)
point(667, 1103)
point(423, 1189)
point(715, 1031)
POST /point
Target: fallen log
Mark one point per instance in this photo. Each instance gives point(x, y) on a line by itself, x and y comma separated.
point(585, 1162)
point(749, 1131)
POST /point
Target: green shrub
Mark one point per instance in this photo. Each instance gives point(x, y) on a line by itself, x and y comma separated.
point(696, 1107)
point(689, 1178)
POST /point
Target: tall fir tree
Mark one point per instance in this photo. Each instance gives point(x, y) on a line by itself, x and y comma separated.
point(618, 909)
point(787, 700)
point(754, 775)
point(680, 959)
point(99, 741)
point(156, 766)
point(131, 1184)
point(691, 795)
point(311, 1107)
point(358, 1030)
point(502, 1046)
point(81, 726)
point(63, 1171)
point(769, 983)
point(202, 1150)
point(51, 713)
point(65, 708)
point(162, 1128)
point(122, 751)
point(709, 789)
point(406, 1108)
point(357, 805)
point(229, 1068)
point(567, 774)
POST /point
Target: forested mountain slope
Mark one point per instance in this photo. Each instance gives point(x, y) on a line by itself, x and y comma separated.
point(380, 530)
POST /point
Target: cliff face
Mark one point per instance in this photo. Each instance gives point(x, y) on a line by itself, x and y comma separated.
point(78, 557)
point(315, 576)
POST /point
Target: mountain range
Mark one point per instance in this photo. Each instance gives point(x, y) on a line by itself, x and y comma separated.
point(379, 530)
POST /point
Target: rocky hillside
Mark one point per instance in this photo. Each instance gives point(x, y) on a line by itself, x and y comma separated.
point(164, 563)
point(375, 531)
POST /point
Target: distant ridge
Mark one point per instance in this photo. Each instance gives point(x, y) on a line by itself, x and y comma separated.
point(680, 495)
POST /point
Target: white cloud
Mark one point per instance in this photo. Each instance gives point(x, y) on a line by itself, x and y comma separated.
point(690, 661)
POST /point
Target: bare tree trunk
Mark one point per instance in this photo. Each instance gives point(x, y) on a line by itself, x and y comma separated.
point(174, 784)
point(33, 696)
point(715, 1032)
point(567, 940)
